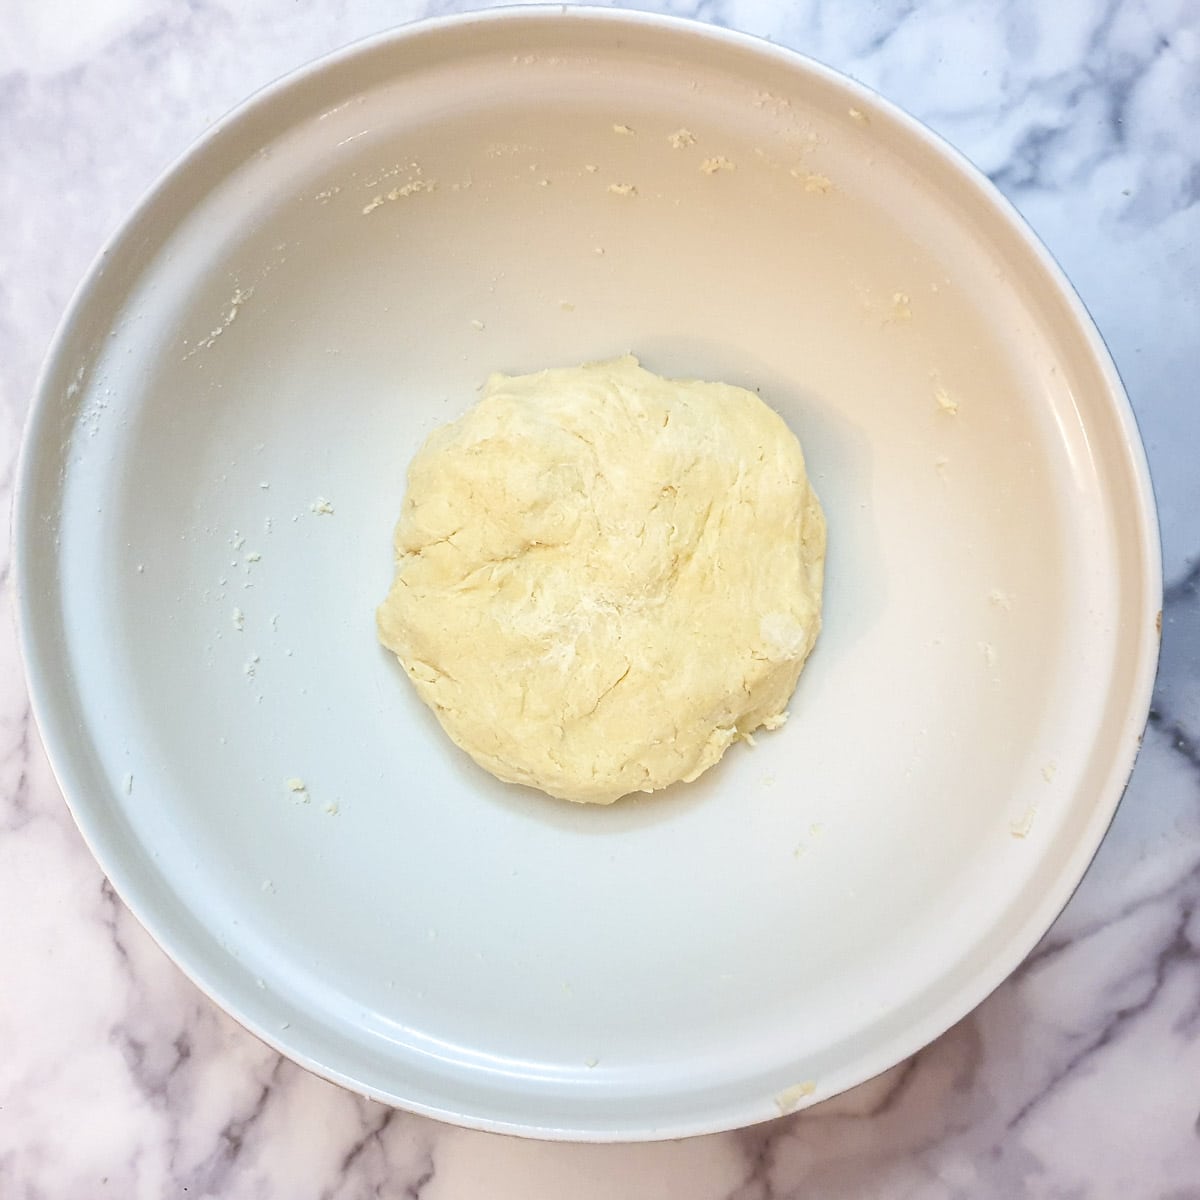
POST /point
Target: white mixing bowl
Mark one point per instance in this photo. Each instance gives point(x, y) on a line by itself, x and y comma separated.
point(329, 275)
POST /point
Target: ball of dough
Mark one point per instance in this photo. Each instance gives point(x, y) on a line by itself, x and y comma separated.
point(604, 577)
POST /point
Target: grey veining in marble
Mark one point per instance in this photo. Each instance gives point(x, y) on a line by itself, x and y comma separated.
point(1079, 1077)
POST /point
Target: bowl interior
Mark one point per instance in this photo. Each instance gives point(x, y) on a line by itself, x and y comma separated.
point(331, 275)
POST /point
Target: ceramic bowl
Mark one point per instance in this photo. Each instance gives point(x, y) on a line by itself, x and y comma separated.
point(217, 455)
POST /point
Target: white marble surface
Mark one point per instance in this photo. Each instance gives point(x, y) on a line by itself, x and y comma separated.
point(1080, 1077)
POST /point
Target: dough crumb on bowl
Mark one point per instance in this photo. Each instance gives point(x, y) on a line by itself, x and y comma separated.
point(946, 403)
point(1022, 827)
point(789, 1099)
point(604, 578)
point(813, 181)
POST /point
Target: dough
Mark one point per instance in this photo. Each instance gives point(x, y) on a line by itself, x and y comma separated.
point(603, 577)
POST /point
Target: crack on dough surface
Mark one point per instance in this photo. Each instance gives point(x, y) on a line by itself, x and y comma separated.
point(604, 578)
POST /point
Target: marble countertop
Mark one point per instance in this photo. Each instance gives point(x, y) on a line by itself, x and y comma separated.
point(1079, 1077)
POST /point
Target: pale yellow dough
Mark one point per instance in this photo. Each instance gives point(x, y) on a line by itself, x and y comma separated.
point(603, 577)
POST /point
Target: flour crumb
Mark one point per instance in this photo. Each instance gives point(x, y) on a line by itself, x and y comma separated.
point(264, 485)
point(237, 541)
point(681, 139)
point(813, 181)
point(75, 384)
point(901, 309)
point(236, 301)
point(624, 130)
point(597, 249)
point(239, 620)
point(857, 114)
point(412, 187)
point(253, 557)
point(591, 1063)
point(1000, 599)
point(141, 568)
point(321, 506)
point(479, 325)
point(771, 101)
point(622, 189)
point(268, 886)
point(566, 306)
point(250, 667)
point(945, 402)
point(710, 166)
point(333, 808)
point(590, 168)
point(274, 622)
point(790, 1098)
point(127, 784)
point(1049, 771)
point(1021, 827)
